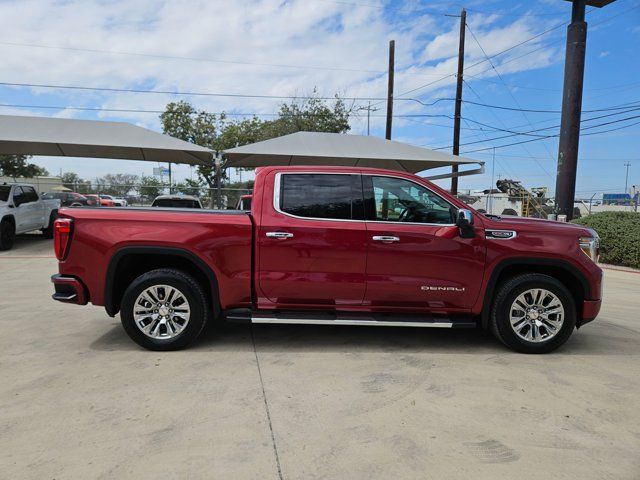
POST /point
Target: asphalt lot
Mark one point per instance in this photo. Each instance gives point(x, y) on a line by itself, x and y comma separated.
point(78, 399)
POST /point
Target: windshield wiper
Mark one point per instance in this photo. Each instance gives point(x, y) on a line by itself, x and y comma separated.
point(492, 216)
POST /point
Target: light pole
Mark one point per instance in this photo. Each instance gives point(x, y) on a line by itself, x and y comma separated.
point(626, 178)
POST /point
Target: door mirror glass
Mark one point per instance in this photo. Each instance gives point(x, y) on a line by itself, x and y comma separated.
point(464, 222)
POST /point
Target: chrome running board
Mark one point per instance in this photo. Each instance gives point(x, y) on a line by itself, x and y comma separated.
point(344, 318)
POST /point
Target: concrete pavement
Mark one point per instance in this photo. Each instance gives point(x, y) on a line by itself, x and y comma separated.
point(78, 399)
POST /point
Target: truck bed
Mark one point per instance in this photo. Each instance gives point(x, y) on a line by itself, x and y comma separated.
point(221, 239)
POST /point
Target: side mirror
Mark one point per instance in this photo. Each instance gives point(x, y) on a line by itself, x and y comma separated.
point(464, 221)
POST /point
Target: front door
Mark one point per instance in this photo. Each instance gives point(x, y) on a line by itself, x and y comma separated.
point(416, 257)
point(311, 241)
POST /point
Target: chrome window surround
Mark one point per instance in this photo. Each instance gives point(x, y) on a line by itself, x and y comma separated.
point(276, 199)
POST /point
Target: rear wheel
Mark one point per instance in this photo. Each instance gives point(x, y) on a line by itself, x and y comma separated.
point(48, 232)
point(7, 235)
point(533, 313)
point(164, 309)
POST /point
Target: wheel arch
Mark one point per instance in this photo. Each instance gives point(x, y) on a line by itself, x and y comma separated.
point(9, 218)
point(128, 263)
point(565, 272)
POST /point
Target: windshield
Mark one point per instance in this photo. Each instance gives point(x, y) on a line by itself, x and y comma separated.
point(175, 203)
point(4, 193)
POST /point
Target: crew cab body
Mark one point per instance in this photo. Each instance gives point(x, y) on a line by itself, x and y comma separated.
point(334, 245)
point(22, 210)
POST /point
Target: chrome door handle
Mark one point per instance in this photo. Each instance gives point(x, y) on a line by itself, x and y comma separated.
point(279, 235)
point(385, 239)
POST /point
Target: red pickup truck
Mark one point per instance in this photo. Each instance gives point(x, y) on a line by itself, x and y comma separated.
point(335, 246)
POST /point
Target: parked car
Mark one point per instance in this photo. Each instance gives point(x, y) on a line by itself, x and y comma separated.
point(120, 202)
point(70, 199)
point(99, 201)
point(336, 246)
point(113, 201)
point(176, 201)
point(244, 203)
point(23, 210)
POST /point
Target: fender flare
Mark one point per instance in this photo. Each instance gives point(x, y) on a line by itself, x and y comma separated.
point(114, 261)
point(529, 262)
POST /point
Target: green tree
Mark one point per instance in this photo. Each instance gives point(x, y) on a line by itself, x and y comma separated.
point(18, 166)
point(117, 184)
point(150, 187)
point(218, 132)
point(73, 181)
point(189, 187)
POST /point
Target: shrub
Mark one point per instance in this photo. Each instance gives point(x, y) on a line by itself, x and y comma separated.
point(619, 236)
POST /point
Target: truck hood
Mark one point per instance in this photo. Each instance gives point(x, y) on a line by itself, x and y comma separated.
point(535, 224)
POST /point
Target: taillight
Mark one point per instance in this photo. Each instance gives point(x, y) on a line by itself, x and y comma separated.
point(62, 230)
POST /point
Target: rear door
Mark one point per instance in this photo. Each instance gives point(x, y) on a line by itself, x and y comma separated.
point(311, 240)
point(417, 258)
point(36, 207)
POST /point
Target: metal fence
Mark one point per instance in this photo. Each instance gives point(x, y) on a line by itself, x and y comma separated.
point(143, 194)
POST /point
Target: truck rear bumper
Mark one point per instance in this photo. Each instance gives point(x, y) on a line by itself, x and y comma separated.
point(590, 310)
point(69, 290)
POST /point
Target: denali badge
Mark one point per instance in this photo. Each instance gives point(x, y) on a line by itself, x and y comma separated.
point(441, 289)
point(500, 234)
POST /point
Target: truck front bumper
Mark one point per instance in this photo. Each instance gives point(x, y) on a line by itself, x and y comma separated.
point(590, 310)
point(69, 290)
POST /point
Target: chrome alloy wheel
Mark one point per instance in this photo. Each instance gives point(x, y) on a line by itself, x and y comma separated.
point(161, 312)
point(536, 315)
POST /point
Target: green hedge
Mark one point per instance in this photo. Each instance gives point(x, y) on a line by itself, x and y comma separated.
point(619, 236)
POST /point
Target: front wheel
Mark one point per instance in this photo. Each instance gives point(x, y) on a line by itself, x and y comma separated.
point(164, 309)
point(7, 235)
point(533, 313)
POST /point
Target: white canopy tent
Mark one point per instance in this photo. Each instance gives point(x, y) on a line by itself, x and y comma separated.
point(315, 148)
point(90, 138)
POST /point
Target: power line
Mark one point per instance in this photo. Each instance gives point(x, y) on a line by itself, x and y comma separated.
point(557, 135)
point(270, 114)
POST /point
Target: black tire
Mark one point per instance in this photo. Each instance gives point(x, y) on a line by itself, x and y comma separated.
point(7, 235)
point(48, 232)
point(499, 321)
point(509, 211)
point(192, 291)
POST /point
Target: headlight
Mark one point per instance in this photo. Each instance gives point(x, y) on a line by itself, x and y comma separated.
point(591, 246)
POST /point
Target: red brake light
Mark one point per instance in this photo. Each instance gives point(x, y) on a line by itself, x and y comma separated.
point(62, 230)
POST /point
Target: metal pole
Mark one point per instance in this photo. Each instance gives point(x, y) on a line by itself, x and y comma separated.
point(170, 192)
point(218, 180)
point(392, 51)
point(458, 107)
point(626, 178)
point(571, 111)
point(368, 117)
point(493, 171)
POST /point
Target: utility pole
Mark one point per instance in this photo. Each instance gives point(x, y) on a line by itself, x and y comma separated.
point(392, 52)
point(572, 106)
point(369, 109)
point(458, 107)
point(626, 178)
point(170, 192)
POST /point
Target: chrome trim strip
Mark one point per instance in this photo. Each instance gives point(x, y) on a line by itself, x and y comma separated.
point(375, 323)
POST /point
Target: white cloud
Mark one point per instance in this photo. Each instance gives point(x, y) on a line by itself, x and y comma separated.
point(230, 48)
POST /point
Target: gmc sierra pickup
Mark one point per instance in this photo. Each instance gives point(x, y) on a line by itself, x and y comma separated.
point(335, 246)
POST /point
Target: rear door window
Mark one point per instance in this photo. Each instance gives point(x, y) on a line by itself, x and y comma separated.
point(324, 196)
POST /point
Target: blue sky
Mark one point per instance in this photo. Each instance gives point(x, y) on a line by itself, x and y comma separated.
point(287, 48)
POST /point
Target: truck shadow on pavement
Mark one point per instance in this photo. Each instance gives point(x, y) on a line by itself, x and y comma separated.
point(599, 340)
